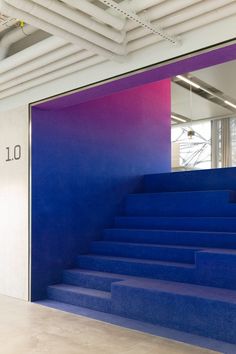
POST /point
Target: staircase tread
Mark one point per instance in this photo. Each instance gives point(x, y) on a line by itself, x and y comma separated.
point(188, 289)
point(151, 245)
point(183, 192)
point(97, 273)
point(81, 290)
point(174, 217)
point(102, 274)
point(194, 290)
point(108, 275)
point(170, 231)
point(138, 260)
point(220, 251)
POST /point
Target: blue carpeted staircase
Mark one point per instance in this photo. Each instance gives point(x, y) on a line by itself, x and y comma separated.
point(170, 260)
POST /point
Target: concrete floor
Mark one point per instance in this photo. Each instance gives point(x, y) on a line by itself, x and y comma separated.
point(27, 328)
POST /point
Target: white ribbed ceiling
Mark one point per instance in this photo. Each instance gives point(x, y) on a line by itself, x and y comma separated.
point(85, 33)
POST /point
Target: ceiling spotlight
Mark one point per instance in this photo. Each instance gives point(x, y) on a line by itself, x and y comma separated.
point(188, 81)
point(230, 104)
point(179, 119)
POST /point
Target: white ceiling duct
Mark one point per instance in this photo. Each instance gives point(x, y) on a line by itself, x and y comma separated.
point(82, 19)
point(55, 57)
point(35, 51)
point(12, 37)
point(53, 75)
point(183, 27)
point(140, 5)
point(63, 62)
point(98, 13)
point(30, 13)
point(160, 10)
point(33, 63)
point(125, 11)
point(182, 15)
point(194, 11)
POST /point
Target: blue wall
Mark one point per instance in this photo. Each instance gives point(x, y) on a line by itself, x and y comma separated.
point(85, 159)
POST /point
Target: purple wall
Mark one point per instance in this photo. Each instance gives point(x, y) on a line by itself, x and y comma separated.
point(191, 63)
point(85, 159)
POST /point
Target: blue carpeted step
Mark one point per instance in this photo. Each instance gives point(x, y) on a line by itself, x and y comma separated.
point(171, 237)
point(196, 309)
point(145, 251)
point(200, 203)
point(139, 267)
point(225, 224)
point(216, 268)
point(220, 178)
point(91, 279)
point(167, 258)
point(79, 296)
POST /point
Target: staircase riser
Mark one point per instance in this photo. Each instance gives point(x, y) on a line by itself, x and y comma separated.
point(185, 210)
point(221, 178)
point(217, 270)
point(202, 239)
point(213, 319)
point(154, 253)
point(83, 300)
point(89, 281)
point(202, 310)
point(215, 204)
point(138, 269)
point(198, 224)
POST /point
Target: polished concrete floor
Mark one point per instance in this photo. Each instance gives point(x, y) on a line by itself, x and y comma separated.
point(27, 328)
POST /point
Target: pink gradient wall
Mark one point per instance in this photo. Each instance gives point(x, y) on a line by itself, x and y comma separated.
point(85, 159)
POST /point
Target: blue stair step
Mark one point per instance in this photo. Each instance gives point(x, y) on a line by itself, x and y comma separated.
point(91, 279)
point(145, 251)
point(217, 268)
point(139, 267)
point(169, 260)
point(95, 280)
point(196, 309)
point(171, 237)
point(197, 203)
point(220, 178)
point(226, 224)
point(79, 296)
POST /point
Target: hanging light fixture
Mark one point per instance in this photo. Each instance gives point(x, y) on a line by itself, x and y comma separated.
point(191, 132)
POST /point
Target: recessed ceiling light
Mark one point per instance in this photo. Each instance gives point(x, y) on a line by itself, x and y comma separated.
point(188, 81)
point(230, 104)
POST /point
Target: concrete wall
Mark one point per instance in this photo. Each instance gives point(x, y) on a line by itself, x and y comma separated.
point(14, 203)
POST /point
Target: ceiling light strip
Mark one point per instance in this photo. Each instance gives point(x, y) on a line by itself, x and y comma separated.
point(230, 104)
point(191, 83)
point(183, 78)
point(178, 119)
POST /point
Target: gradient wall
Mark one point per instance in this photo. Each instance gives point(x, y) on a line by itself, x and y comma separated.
point(85, 159)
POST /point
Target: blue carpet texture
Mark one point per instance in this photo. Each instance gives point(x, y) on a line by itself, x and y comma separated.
point(169, 260)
